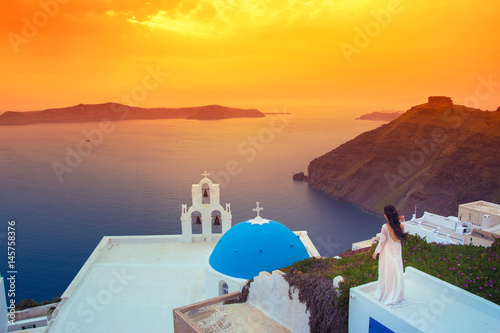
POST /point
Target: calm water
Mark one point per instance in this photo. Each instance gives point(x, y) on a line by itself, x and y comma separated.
point(135, 180)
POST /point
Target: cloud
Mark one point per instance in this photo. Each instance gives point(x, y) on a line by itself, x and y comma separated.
point(229, 17)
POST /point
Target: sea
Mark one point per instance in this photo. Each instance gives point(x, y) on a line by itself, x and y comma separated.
point(65, 186)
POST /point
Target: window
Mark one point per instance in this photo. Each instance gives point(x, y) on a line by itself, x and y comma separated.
point(376, 327)
point(223, 288)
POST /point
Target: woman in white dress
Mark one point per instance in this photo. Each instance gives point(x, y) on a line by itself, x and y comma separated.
point(391, 287)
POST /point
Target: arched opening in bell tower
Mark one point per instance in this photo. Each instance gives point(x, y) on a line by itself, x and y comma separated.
point(205, 194)
point(196, 223)
point(216, 222)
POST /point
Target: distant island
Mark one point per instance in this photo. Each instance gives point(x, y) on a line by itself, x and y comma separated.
point(116, 111)
point(435, 156)
point(381, 115)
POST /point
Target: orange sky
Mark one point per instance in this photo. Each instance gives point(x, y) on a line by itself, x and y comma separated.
point(298, 54)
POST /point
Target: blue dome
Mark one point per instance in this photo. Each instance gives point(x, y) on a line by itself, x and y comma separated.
point(251, 247)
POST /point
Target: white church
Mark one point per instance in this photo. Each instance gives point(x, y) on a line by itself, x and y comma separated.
point(145, 283)
point(132, 283)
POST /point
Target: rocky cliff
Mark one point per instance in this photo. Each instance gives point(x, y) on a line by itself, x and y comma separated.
point(115, 111)
point(434, 156)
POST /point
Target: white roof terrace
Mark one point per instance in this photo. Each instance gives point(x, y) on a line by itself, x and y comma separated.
point(131, 284)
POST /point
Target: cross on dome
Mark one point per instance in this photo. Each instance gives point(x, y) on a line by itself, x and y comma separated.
point(258, 209)
point(205, 174)
point(258, 219)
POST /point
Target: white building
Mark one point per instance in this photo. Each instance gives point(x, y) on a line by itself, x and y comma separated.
point(484, 219)
point(437, 228)
point(481, 214)
point(132, 283)
point(432, 227)
point(249, 248)
point(478, 223)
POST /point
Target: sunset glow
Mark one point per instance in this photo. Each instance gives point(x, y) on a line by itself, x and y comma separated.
point(330, 57)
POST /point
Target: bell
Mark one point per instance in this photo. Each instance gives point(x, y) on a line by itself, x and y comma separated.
point(217, 221)
point(205, 195)
point(198, 221)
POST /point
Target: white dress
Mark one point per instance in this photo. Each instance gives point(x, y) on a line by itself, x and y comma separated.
point(391, 287)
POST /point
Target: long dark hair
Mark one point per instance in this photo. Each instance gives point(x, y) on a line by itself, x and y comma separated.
point(393, 218)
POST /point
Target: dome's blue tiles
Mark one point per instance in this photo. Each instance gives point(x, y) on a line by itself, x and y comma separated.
point(249, 248)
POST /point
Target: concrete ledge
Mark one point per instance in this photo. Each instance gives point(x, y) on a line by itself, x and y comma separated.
point(141, 239)
point(37, 323)
point(55, 313)
point(304, 238)
point(432, 305)
point(34, 312)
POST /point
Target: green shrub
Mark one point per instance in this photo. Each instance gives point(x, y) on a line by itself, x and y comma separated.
point(472, 268)
point(25, 304)
point(30, 303)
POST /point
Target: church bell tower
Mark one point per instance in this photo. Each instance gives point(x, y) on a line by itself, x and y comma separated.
point(205, 212)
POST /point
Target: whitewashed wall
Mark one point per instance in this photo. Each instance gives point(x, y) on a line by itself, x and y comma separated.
point(269, 293)
point(430, 234)
point(213, 281)
point(447, 222)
